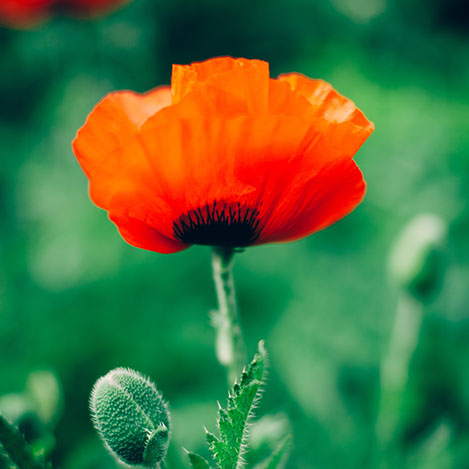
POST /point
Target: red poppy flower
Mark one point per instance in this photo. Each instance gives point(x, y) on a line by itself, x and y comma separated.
point(226, 157)
point(27, 13)
point(24, 13)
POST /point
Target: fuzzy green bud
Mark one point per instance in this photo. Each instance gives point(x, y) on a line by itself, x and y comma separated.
point(416, 261)
point(131, 417)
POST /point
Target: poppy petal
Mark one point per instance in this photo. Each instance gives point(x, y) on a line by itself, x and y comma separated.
point(328, 108)
point(113, 121)
point(326, 100)
point(24, 13)
point(319, 202)
point(271, 163)
point(141, 235)
point(232, 158)
point(246, 80)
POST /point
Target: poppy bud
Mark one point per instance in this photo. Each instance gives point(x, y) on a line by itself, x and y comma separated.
point(131, 417)
point(416, 261)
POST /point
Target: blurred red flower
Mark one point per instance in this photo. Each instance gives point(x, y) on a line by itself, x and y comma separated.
point(225, 157)
point(28, 13)
point(89, 7)
point(24, 13)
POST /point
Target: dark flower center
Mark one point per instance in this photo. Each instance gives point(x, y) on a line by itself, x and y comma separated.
point(228, 225)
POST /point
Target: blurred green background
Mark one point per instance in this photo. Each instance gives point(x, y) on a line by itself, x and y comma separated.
point(77, 300)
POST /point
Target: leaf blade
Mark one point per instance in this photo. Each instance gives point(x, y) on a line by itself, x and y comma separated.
point(279, 457)
point(228, 448)
point(197, 462)
point(16, 447)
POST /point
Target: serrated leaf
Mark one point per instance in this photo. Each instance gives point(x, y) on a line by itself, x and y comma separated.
point(279, 457)
point(197, 462)
point(227, 449)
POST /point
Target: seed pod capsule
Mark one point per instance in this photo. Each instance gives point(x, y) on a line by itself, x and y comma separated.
point(131, 417)
point(417, 262)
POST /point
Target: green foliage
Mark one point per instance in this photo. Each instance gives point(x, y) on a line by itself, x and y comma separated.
point(279, 457)
point(35, 411)
point(131, 417)
point(228, 448)
point(46, 395)
point(71, 290)
point(16, 447)
point(5, 462)
point(197, 462)
point(31, 415)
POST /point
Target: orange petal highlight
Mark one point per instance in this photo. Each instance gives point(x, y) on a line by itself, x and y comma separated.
point(326, 100)
point(344, 120)
point(113, 121)
point(246, 80)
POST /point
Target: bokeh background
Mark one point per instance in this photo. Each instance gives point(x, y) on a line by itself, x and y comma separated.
point(77, 301)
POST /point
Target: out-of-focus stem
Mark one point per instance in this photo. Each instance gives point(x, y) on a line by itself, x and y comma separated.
point(16, 447)
point(395, 366)
point(229, 344)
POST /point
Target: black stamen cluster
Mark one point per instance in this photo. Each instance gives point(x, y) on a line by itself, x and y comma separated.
point(228, 225)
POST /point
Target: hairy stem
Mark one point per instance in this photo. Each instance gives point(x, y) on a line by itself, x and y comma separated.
point(16, 447)
point(395, 366)
point(229, 344)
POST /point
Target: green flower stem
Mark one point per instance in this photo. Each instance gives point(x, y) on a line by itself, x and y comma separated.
point(229, 344)
point(395, 366)
point(16, 447)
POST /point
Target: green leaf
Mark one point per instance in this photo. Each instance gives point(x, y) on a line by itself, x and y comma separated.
point(197, 462)
point(5, 462)
point(227, 449)
point(16, 447)
point(279, 456)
